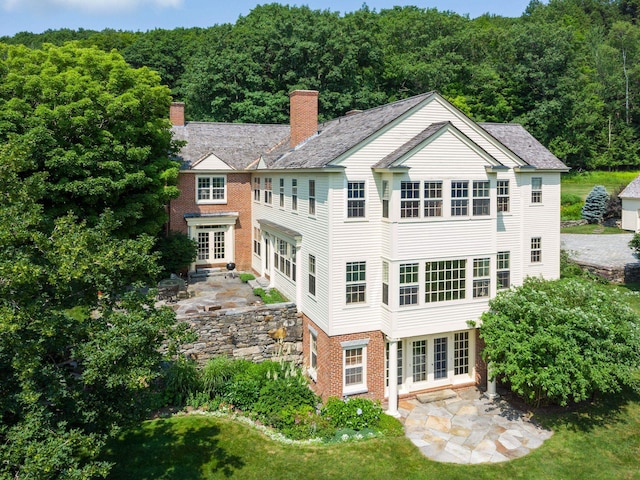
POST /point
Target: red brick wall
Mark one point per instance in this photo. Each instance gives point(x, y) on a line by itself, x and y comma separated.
point(303, 115)
point(481, 366)
point(176, 114)
point(238, 200)
point(329, 372)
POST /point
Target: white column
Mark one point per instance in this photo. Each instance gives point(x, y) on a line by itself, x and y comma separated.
point(393, 378)
point(491, 383)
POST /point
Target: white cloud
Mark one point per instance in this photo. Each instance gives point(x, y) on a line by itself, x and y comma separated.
point(87, 6)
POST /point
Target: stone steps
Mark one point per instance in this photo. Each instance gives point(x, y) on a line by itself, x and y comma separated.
point(436, 396)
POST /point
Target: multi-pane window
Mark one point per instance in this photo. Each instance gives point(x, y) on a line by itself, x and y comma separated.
point(408, 284)
point(281, 193)
point(432, 199)
point(536, 249)
point(284, 258)
point(256, 241)
point(313, 352)
point(385, 199)
point(459, 198)
point(409, 199)
point(419, 360)
point(440, 358)
point(355, 199)
point(203, 245)
point(312, 197)
point(211, 189)
point(445, 280)
point(461, 353)
point(399, 364)
point(536, 190)
point(256, 189)
point(481, 278)
point(356, 282)
point(480, 198)
point(294, 194)
point(503, 270)
point(268, 193)
point(354, 366)
point(312, 274)
point(218, 245)
point(503, 195)
point(385, 283)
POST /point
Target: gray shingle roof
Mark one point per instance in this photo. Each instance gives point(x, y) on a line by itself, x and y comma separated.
point(339, 136)
point(632, 190)
point(524, 145)
point(236, 144)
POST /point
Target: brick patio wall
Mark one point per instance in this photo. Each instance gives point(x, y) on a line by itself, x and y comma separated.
point(244, 333)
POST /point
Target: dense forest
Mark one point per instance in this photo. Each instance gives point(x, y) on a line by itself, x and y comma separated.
point(569, 70)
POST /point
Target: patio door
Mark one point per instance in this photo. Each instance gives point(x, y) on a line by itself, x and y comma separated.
point(212, 244)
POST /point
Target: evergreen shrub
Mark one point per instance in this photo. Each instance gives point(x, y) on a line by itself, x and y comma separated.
point(595, 204)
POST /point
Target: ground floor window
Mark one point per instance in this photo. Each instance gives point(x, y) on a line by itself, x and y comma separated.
point(354, 361)
point(313, 354)
point(284, 258)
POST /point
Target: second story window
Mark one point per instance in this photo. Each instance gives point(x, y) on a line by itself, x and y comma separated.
point(385, 199)
point(385, 283)
point(356, 282)
point(503, 195)
point(408, 284)
point(459, 198)
point(211, 189)
point(312, 197)
point(432, 199)
point(312, 275)
point(502, 270)
point(480, 198)
point(256, 189)
point(536, 190)
point(294, 194)
point(409, 199)
point(481, 278)
point(282, 193)
point(268, 191)
point(355, 199)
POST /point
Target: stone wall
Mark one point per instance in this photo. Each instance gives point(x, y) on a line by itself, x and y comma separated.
point(249, 332)
point(630, 273)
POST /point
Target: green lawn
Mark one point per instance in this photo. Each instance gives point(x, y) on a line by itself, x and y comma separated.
point(593, 229)
point(582, 183)
point(599, 442)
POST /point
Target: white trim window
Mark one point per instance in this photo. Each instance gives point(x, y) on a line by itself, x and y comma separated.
point(312, 197)
point(503, 195)
point(356, 282)
point(481, 201)
point(294, 194)
point(459, 198)
point(284, 258)
point(433, 199)
point(385, 283)
point(408, 284)
point(256, 189)
point(355, 200)
point(354, 367)
point(211, 189)
point(312, 275)
point(536, 250)
point(503, 274)
point(461, 353)
point(385, 199)
point(409, 199)
point(281, 193)
point(481, 277)
point(445, 280)
point(536, 190)
point(257, 243)
point(313, 354)
point(268, 191)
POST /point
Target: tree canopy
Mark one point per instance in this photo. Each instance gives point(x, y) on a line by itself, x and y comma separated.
point(92, 130)
point(561, 341)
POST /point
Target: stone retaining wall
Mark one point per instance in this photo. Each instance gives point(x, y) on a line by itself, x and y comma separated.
point(250, 333)
point(628, 274)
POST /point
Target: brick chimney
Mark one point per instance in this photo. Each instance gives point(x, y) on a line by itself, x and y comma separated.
point(176, 114)
point(304, 115)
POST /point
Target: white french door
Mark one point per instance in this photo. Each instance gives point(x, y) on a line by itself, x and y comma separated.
point(213, 244)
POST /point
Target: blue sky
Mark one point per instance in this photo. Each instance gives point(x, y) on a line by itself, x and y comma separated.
point(140, 15)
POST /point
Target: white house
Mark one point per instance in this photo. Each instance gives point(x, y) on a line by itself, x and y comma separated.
point(630, 197)
point(391, 228)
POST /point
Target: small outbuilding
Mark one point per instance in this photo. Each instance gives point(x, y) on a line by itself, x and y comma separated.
point(630, 197)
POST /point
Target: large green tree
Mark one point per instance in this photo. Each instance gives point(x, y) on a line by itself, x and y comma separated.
point(561, 341)
point(92, 129)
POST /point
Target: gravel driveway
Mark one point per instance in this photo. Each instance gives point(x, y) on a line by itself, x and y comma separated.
point(604, 250)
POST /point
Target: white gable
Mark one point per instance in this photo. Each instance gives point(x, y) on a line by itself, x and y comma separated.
point(210, 162)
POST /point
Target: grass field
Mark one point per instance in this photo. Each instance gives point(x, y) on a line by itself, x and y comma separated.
point(582, 183)
point(598, 442)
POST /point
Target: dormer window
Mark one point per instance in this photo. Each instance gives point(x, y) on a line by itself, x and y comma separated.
point(211, 189)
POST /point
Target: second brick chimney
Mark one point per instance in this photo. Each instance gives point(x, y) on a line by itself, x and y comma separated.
point(176, 114)
point(303, 106)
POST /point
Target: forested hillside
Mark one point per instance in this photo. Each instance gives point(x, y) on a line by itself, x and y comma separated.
point(569, 70)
